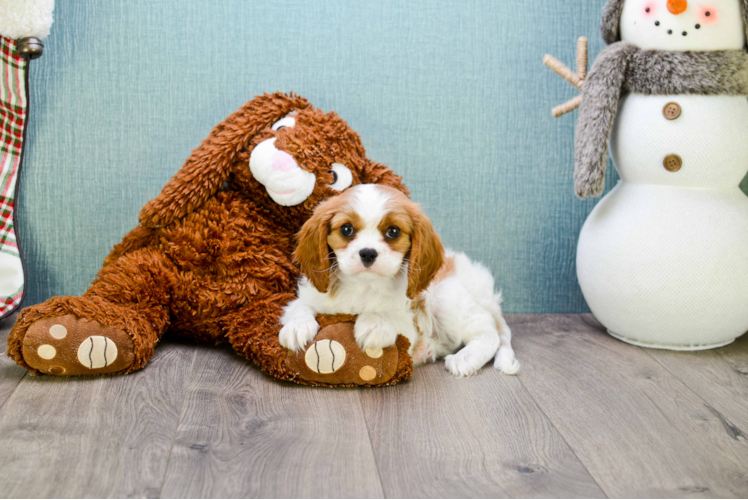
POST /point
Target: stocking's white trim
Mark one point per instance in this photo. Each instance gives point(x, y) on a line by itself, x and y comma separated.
point(24, 18)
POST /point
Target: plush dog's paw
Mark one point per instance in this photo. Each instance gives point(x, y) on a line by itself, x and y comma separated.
point(462, 364)
point(374, 332)
point(68, 346)
point(298, 333)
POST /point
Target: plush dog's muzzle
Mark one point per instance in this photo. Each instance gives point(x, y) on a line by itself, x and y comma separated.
point(285, 181)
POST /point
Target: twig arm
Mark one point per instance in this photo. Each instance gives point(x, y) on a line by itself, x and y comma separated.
point(577, 79)
point(560, 69)
point(582, 57)
point(567, 107)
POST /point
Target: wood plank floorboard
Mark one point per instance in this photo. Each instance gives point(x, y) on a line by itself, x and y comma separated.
point(588, 416)
point(10, 373)
point(639, 430)
point(94, 437)
point(438, 436)
point(719, 376)
point(243, 434)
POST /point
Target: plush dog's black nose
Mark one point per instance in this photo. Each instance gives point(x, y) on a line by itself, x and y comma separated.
point(368, 256)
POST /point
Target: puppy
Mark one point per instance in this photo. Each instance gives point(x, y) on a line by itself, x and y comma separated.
point(370, 251)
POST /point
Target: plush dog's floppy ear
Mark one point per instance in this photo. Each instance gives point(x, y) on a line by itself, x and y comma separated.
point(209, 166)
point(312, 253)
point(426, 253)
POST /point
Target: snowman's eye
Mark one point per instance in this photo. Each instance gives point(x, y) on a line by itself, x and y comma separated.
point(283, 123)
point(342, 177)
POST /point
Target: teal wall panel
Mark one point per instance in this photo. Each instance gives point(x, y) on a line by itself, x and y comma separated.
point(451, 94)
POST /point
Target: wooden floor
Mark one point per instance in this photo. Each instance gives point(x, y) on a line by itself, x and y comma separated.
point(588, 416)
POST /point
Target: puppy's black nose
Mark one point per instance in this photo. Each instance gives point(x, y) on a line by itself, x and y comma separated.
point(368, 256)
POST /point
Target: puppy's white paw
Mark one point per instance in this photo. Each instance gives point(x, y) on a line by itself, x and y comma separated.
point(297, 334)
point(424, 353)
point(462, 364)
point(374, 332)
point(506, 362)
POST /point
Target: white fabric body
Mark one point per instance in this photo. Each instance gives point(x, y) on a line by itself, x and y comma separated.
point(663, 259)
point(711, 136)
point(22, 18)
point(649, 24)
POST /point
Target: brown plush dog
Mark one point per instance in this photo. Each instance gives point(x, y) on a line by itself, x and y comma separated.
point(211, 258)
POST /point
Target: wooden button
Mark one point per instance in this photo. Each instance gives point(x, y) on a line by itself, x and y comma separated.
point(673, 163)
point(672, 110)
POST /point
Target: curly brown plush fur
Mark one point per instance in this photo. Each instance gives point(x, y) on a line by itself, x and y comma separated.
point(211, 259)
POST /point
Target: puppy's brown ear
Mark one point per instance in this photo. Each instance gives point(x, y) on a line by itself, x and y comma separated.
point(312, 254)
point(376, 173)
point(209, 166)
point(426, 253)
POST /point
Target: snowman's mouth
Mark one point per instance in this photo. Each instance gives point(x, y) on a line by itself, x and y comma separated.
point(671, 32)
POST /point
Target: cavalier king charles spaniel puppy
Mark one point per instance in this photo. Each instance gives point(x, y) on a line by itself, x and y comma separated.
point(371, 252)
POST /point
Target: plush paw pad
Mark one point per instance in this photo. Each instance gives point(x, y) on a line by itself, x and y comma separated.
point(367, 373)
point(325, 356)
point(97, 352)
point(66, 345)
point(374, 353)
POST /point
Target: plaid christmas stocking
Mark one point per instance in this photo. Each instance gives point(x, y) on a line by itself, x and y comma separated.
point(13, 115)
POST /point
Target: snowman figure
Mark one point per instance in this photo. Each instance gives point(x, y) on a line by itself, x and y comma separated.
point(662, 260)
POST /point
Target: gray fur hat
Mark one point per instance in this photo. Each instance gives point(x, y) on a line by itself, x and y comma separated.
point(612, 20)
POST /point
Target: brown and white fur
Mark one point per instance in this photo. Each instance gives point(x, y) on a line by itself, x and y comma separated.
point(371, 252)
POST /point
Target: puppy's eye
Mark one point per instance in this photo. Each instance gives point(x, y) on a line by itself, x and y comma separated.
point(341, 176)
point(288, 121)
point(393, 232)
point(347, 230)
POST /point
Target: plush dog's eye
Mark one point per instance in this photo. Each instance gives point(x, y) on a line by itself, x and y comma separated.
point(342, 178)
point(393, 232)
point(288, 121)
point(347, 230)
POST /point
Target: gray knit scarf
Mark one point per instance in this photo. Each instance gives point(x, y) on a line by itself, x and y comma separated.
point(623, 67)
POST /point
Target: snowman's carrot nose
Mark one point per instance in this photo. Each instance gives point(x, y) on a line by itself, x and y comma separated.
point(677, 6)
